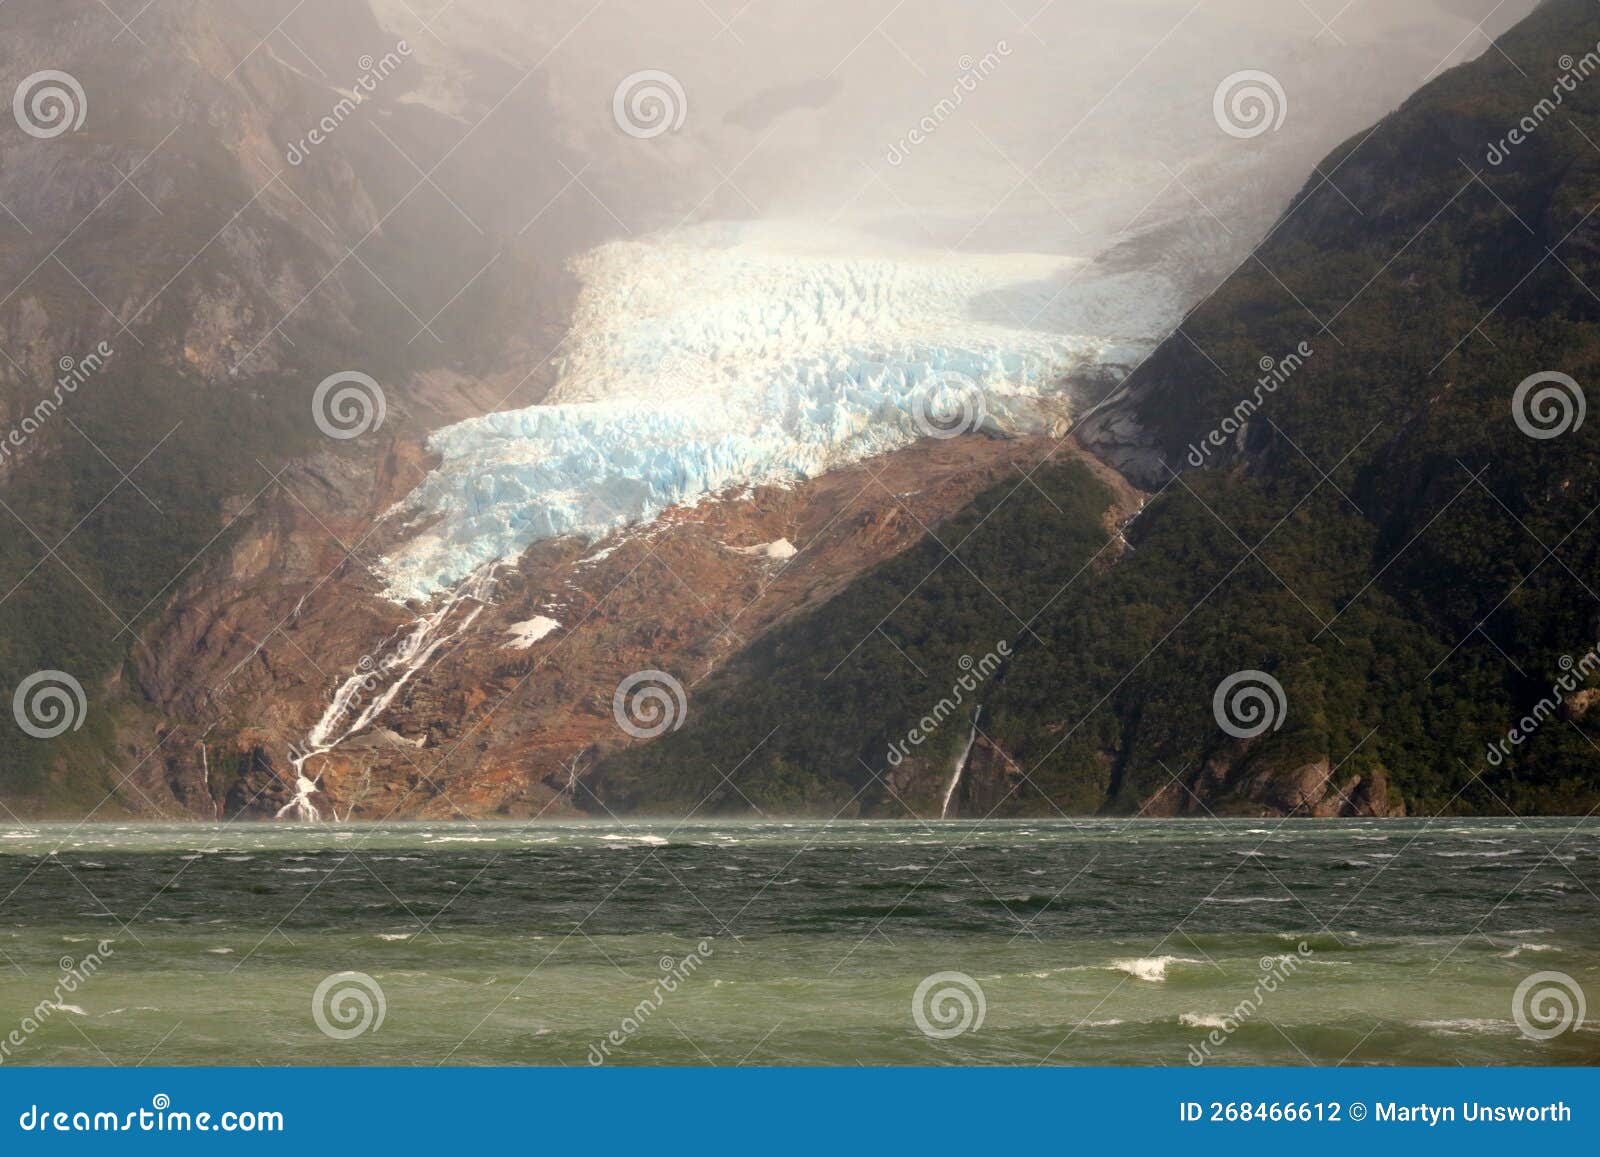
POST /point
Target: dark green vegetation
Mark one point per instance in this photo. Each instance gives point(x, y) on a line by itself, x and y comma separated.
point(86, 556)
point(241, 282)
point(830, 693)
point(1415, 601)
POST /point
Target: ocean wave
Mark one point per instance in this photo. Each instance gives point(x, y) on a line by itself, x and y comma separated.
point(1464, 1025)
point(1151, 968)
point(1521, 948)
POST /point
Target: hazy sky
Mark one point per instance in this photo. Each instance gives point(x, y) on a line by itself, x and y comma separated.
point(1083, 114)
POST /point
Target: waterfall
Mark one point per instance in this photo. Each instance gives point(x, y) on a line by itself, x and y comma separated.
point(365, 695)
point(205, 766)
point(961, 766)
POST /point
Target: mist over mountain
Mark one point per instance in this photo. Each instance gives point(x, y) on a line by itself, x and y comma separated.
point(647, 321)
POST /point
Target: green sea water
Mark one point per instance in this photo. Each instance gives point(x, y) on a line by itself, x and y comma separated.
point(1019, 943)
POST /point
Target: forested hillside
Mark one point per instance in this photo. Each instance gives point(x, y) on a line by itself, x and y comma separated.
point(1391, 530)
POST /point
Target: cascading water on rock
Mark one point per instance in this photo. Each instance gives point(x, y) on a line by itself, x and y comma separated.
point(961, 766)
point(365, 695)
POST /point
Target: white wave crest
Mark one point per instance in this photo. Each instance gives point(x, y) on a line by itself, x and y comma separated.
point(1151, 968)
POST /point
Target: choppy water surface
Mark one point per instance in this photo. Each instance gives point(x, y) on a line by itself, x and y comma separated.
point(1103, 942)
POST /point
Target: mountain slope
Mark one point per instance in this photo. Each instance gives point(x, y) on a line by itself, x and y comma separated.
point(190, 543)
point(1374, 530)
point(200, 276)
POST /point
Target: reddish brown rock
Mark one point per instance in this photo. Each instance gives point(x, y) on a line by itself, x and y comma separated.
point(248, 651)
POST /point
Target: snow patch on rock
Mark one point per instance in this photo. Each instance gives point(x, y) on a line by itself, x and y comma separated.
point(529, 632)
point(778, 551)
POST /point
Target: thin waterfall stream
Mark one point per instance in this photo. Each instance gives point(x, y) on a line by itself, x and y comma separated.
point(961, 765)
point(364, 696)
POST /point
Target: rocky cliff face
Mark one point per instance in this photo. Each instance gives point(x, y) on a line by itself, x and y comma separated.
point(235, 230)
point(182, 270)
point(186, 206)
point(248, 659)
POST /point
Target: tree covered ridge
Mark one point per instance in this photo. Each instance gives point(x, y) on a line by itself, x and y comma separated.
point(1380, 535)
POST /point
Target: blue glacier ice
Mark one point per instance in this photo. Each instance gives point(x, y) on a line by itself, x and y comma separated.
point(736, 356)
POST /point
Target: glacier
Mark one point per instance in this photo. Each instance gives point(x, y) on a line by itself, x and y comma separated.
point(739, 354)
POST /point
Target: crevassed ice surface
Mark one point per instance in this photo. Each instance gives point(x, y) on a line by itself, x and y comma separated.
point(732, 355)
